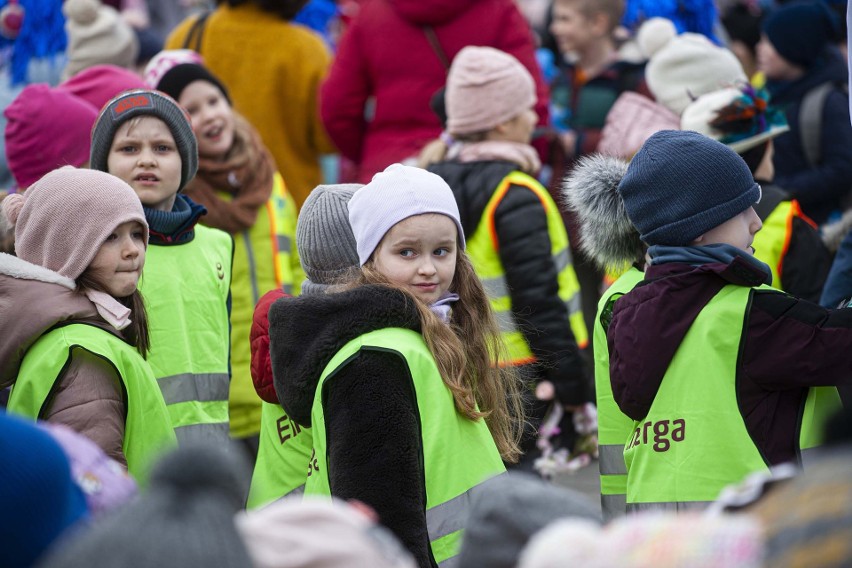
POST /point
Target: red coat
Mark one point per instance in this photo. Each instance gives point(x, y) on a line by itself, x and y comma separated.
point(384, 53)
point(261, 364)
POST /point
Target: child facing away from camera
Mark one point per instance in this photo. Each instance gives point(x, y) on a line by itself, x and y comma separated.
point(397, 375)
point(714, 367)
point(145, 139)
point(517, 242)
point(73, 328)
point(245, 196)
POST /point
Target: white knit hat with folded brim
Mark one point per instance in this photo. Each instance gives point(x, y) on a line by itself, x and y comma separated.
point(683, 67)
point(97, 35)
point(393, 195)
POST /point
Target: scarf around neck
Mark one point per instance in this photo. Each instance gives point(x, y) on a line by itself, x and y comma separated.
point(246, 173)
point(523, 155)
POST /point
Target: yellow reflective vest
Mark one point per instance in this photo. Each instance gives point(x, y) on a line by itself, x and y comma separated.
point(148, 431)
point(483, 249)
point(185, 288)
point(265, 258)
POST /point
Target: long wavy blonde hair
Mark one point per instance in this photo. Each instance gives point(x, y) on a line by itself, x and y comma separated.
point(466, 353)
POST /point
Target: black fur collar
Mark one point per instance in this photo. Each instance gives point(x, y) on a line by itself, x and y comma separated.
point(306, 332)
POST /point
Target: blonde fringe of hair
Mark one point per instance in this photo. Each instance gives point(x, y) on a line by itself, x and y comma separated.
point(467, 353)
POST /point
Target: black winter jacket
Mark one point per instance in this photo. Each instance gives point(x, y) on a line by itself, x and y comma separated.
point(520, 223)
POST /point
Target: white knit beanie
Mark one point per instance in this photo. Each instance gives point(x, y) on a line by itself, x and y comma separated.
point(395, 194)
point(97, 35)
point(683, 67)
point(485, 88)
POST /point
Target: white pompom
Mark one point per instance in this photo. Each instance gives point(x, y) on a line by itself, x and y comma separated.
point(654, 34)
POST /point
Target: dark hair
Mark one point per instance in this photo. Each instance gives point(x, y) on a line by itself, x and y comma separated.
point(286, 9)
point(136, 334)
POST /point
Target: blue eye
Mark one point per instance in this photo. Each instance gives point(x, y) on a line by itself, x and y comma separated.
point(406, 253)
point(443, 251)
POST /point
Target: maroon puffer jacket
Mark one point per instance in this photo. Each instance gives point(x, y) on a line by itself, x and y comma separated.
point(261, 364)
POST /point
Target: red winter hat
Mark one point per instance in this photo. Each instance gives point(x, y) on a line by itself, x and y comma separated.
point(99, 84)
point(46, 129)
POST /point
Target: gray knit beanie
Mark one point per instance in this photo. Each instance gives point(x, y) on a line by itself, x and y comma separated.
point(680, 184)
point(326, 245)
point(142, 102)
point(509, 510)
point(185, 518)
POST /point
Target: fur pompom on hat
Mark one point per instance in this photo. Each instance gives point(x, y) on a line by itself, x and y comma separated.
point(85, 204)
point(131, 104)
point(591, 190)
point(485, 88)
point(397, 193)
point(185, 518)
point(97, 34)
point(681, 184)
point(683, 67)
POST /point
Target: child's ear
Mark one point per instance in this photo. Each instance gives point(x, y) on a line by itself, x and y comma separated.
point(600, 24)
point(699, 240)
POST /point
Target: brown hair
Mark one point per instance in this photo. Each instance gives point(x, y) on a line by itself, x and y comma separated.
point(467, 354)
point(286, 9)
point(136, 334)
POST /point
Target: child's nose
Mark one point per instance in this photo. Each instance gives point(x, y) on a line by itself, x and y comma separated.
point(427, 267)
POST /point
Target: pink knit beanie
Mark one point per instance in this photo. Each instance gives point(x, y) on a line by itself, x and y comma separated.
point(62, 220)
point(99, 84)
point(45, 129)
point(486, 87)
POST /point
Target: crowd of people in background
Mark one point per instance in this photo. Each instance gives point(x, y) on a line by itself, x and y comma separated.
point(303, 283)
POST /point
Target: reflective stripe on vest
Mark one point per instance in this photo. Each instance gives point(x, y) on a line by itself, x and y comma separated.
point(283, 457)
point(148, 432)
point(186, 292)
point(265, 258)
point(693, 441)
point(483, 246)
point(773, 240)
point(669, 506)
point(614, 427)
point(459, 455)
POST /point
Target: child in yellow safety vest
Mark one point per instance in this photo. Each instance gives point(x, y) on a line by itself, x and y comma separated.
point(397, 372)
point(239, 184)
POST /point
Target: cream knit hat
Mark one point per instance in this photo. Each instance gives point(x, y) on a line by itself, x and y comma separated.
point(63, 218)
point(486, 87)
point(683, 67)
point(97, 35)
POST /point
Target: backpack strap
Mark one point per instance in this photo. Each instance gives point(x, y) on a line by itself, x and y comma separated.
point(196, 32)
point(810, 122)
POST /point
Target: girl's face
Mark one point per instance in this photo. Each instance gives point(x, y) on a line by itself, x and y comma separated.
point(773, 65)
point(212, 118)
point(144, 155)
point(419, 254)
point(118, 264)
point(518, 129)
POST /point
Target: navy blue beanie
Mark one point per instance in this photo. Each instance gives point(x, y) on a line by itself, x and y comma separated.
point(800, 31)
point(680, 184)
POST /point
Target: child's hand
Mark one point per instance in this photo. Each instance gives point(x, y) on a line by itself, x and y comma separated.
point(545, 390)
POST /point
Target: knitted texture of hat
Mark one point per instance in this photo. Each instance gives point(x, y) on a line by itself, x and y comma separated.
point(509, 511)
point(485, 88)
point(184, 518)
point(683, 67)
point(100, 83)
point(808, 520)
point(397, 193)
point(63, 218)
point(145, 103)
point(97, 34)
point(800, 31)
point(179, 77)
point(295, 533)
point(46, 128)
point(39, 497)
point(681, 184)
point(326, 245)
point(161, 63)
point(649, 540)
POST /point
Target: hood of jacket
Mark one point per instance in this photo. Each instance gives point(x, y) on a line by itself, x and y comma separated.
point(649, 323)
point(430, 12)
point(24, 285)
point(473, 185)
point(307, 331)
